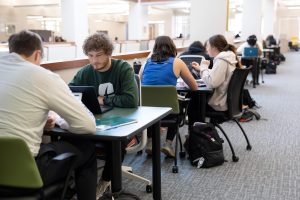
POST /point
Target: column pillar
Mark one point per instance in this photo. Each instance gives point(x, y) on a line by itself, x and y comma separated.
point(137, 21)
point(252, 18)
point(74, 22)
point(207, 18)
point(269, 18)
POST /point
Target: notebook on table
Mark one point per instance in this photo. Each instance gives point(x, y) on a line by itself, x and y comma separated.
point(113, 121)
point(89, 98)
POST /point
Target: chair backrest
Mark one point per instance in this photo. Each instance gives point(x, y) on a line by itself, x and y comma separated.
point(235, 91)
point(18, 168)
point(138, 82)
point(160, 96)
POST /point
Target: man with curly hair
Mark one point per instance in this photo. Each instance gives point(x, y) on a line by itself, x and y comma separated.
point(114, 81)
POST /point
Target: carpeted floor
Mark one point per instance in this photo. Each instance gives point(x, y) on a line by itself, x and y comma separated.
point(270, 171)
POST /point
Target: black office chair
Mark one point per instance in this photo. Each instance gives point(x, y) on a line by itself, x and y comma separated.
point(166, 96)
point(20, 178)
point(234, 102)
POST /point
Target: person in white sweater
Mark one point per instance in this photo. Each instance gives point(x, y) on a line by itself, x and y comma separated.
point(217, 78)
point(27, 93)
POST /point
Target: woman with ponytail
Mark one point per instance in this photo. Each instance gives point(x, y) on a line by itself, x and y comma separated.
point(224, 63)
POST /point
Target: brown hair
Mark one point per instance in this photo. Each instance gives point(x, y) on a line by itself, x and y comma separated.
point(219, 42)
point(25, 43)
point(98, 42)
point(164, 48)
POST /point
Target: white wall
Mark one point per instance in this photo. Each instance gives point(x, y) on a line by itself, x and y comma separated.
point(269, 18)
point(252, 18)
point(17, 17)
point(288, 23)
point(165, 16)
point(115, 29)
point(207, 19)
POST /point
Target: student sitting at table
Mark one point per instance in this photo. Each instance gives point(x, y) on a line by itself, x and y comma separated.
point(197, 48)
point(27, 93)
point(117, 77)
point(225, 62)
point(250, 61)
point(251, 42)
point(163, 68)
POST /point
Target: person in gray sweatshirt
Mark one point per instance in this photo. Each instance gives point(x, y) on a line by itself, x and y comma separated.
point(224, 63)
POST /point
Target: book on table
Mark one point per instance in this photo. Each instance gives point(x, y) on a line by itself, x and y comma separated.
point(113, 121)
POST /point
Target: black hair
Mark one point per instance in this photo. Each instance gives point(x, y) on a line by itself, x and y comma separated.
point(196, 47)
point(25, 43)
point(251, 40)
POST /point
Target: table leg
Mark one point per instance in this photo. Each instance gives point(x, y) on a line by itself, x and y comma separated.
point(156, 173)
point(254, 72)
point(116, 181)
point(202, 107)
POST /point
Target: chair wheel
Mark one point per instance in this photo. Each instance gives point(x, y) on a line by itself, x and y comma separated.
point(182, 154)
point(148, 188)
point(249, 147)
point(235, 158)
point(175, 169)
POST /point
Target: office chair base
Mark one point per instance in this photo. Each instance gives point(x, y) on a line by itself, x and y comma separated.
point(149, 188)
point(175, 169)
point(235, 158)
point(127, 172)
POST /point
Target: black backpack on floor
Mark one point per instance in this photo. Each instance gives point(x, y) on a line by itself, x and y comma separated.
point(205, 146)
point(271, 68)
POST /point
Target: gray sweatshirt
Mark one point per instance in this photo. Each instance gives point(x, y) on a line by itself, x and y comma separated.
point(218, 78)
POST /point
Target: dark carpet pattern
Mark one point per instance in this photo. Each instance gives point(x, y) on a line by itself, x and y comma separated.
point(271, 171)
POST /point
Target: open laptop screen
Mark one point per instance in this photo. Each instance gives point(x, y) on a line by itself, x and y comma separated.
point(250, 52)
point(88, 97)
point(188, 59)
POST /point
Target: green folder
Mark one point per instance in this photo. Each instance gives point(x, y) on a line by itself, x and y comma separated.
point(113, 121)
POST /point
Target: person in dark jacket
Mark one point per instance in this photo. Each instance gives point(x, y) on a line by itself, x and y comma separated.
point(197, 48)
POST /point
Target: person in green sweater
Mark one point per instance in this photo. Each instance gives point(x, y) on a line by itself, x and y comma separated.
point(115, 84)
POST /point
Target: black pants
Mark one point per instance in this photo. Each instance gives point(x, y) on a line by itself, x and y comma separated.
point(85, 165)
point(108, 167)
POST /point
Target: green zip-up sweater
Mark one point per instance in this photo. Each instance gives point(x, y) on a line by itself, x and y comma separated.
point(120, 75)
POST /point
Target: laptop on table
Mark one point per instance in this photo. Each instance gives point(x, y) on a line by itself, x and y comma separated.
point(250, 52)
point(188, 59)
point(89, 98)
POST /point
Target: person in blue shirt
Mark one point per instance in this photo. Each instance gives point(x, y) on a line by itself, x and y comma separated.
point(163, 68)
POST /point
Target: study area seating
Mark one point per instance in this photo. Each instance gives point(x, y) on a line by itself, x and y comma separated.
point(234, 102)
point(166, 96)
point(142, 140)
point(20, 178)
